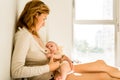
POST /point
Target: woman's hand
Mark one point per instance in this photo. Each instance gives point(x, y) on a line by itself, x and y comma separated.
point(49, 55)
point(67, 59)
point(53, 65)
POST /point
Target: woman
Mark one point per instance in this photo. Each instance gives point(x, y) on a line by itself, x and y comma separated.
point(29, 60)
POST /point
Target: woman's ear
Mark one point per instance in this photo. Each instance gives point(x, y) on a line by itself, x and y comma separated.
point(36, 16)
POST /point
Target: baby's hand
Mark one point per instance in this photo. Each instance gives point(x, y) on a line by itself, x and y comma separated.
point(49, 55)
point(47, 50)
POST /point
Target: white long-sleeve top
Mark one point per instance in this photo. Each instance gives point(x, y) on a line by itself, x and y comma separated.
point(28, 59)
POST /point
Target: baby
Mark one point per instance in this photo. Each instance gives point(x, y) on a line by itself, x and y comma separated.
point(57, 54)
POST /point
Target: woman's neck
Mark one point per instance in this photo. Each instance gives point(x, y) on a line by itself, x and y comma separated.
point(39, 40)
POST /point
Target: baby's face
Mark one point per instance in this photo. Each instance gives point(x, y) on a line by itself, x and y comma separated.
point(51, 46)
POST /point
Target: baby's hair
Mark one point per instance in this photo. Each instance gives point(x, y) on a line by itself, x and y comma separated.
point(58, 47)
point(52, 42)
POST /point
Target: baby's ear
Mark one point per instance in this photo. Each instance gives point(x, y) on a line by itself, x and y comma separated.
point(60, 48)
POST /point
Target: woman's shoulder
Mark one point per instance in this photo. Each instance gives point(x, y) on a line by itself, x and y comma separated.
point(23, 32)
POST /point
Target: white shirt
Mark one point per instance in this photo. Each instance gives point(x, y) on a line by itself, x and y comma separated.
point(28, 58)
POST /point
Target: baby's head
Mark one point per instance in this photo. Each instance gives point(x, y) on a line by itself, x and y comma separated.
point(52, 46)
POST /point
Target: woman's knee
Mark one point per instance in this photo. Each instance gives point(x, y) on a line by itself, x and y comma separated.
point(100, 61)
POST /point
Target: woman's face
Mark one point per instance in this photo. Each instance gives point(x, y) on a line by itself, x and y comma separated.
point(41, 21)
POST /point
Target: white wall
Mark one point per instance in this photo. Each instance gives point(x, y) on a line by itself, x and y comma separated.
point(60, 23)
point(7, 22)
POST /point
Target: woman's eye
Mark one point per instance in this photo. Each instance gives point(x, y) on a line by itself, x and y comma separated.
point(44, 19)
point(51, 46)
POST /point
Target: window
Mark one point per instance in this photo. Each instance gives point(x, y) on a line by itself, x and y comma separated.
point(94, 30)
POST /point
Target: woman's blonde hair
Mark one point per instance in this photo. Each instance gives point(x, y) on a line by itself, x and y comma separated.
point(27, 17)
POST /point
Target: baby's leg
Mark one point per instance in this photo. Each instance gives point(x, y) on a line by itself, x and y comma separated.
point(64, 69)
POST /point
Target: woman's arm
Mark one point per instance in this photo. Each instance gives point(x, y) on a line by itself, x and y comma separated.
point(21, 48)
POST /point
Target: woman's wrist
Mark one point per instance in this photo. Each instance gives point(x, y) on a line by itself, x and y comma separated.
point(53, 65)
point(63, 55)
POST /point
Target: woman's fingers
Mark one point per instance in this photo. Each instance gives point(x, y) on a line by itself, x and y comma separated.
point(51, 59)
point(53, 65)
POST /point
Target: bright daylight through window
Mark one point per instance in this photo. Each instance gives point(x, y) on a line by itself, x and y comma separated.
point(93, 31)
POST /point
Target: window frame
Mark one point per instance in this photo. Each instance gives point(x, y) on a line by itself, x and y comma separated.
point(115, 21)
